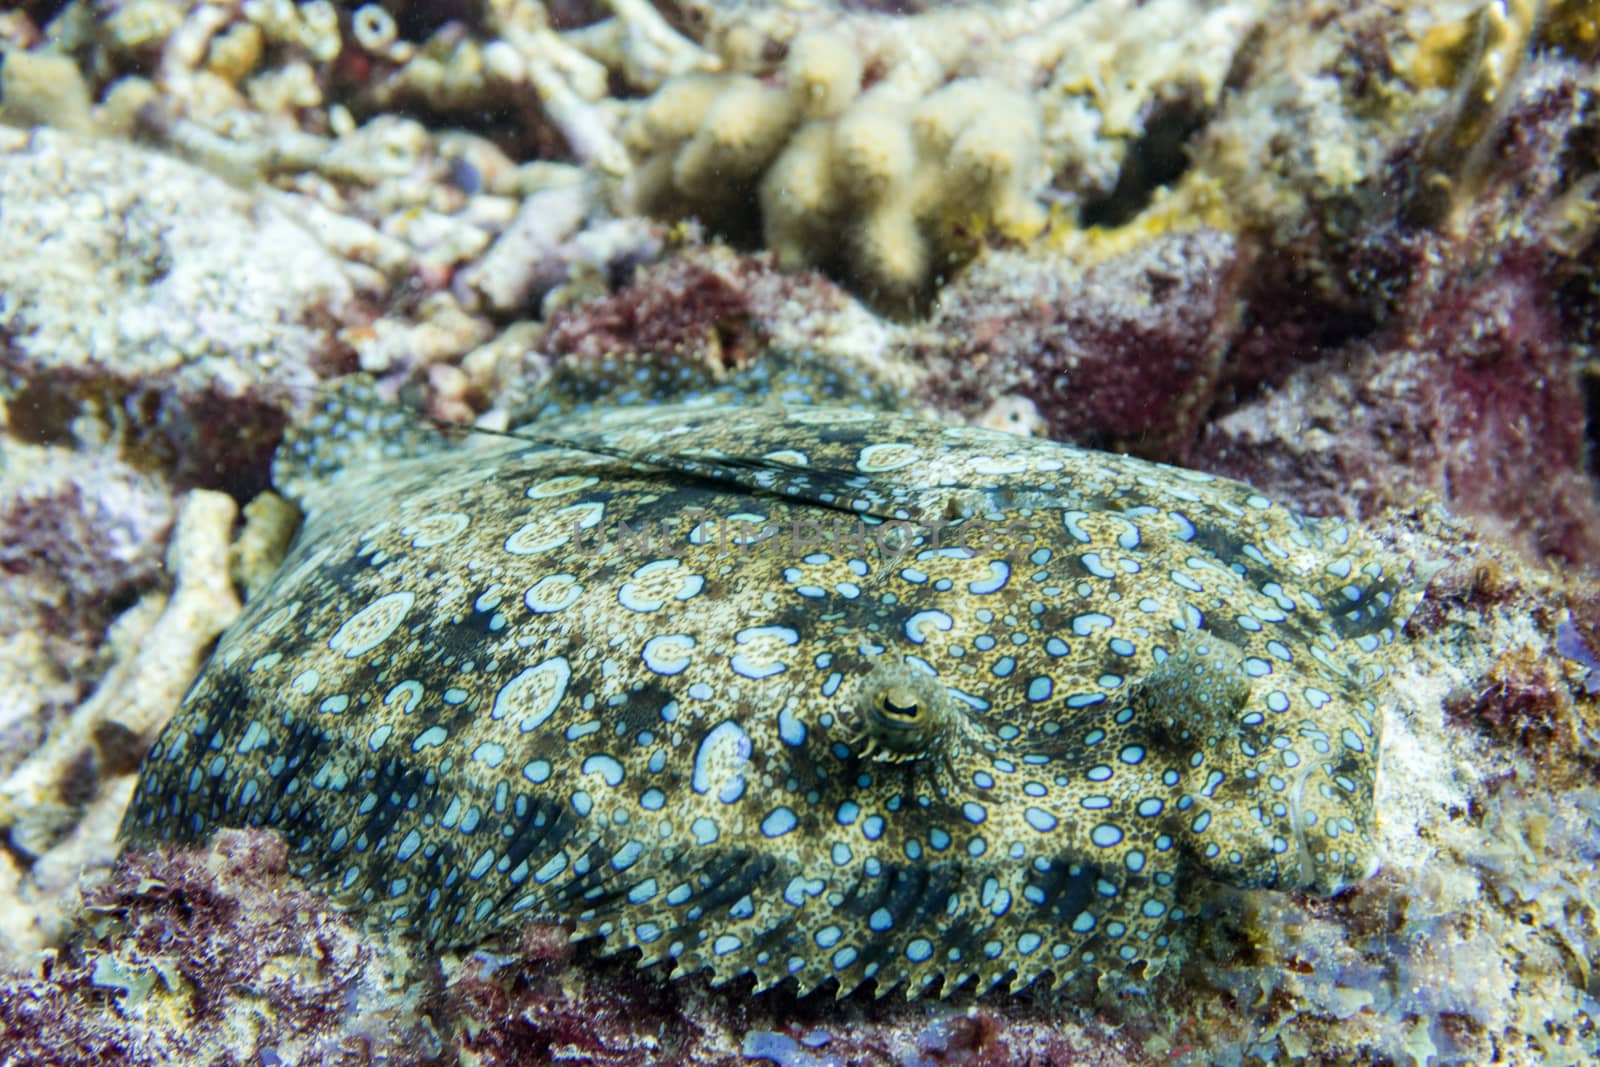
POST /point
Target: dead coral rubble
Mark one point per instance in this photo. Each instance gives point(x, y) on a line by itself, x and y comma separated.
point(149, 305)
point(61, 804)
point(214, 956)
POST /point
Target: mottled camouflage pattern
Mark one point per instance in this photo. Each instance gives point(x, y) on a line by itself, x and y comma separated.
point(779, 737)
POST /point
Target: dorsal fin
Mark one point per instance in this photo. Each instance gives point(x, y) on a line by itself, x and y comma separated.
point(354, 426)
point(341, 436)
point(696, 376)
point(837, 489)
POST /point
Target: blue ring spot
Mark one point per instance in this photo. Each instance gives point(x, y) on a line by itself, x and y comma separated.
point(1106, 835)
point(1000, 573)
point(429, 738)
point(1040, 819)
point(937, 619)
point(607, 767)
point(667, 653)
point(790, 728)
point(1087, 623)
point(779, 822)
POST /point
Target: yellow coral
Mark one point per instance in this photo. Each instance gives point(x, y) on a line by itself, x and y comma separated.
point(1574, 27)
point(799, 195)
point(994, 161)
point(884, 184)
point(872, 146)
point(743, 130)
point(673, 113)
point(1000, 150)
point(1481, 56)
point(823, 72)
point(890, 255)
point(942, 115)
point(1442, 53)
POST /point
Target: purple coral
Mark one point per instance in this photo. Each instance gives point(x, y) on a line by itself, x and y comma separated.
point(184, 942)
point(1125, 353)
point(725, 306)
point(1448, 360)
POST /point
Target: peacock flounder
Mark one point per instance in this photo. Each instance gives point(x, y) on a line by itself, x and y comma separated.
point(798, 691)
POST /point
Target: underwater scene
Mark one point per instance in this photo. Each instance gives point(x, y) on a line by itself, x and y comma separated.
point(820, 533)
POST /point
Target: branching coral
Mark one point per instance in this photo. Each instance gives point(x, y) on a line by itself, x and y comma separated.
point(904, 141)
point(880, 184)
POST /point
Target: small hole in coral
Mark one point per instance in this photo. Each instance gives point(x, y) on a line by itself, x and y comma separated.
point(1591, 405)
point(419, 21)
point(42, 413)
point(42, 11)
point(1158, 158)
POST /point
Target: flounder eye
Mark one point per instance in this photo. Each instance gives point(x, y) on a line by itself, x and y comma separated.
point(899, 703)
point(903, 714)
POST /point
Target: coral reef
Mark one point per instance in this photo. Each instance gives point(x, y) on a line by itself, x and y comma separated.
point(875, 184)
point(1127, 352)
point(82, 539)
point(216, 956)
point(1437, 358)
point(60, 806)
point(150, 304)
point(1343, 251)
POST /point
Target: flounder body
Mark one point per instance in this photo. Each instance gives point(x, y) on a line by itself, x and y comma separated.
point(806, 691)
